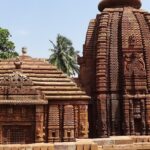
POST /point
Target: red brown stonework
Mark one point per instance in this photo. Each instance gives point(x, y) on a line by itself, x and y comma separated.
point(115, 69)
point(38, 103)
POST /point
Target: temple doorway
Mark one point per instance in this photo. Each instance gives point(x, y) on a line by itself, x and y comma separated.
point(17, 134)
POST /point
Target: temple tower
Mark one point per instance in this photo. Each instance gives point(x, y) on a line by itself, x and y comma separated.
point(115, 69)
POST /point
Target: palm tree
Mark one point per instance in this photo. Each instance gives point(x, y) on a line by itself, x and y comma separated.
point(64, 56)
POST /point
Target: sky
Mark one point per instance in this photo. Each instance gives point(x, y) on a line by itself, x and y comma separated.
point(32, 23)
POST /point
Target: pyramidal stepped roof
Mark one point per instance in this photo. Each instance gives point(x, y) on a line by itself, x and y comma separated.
point(118, 3)
point(40, 77)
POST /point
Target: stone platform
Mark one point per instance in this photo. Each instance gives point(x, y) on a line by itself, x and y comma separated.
point(112, 143)
point(123, 143)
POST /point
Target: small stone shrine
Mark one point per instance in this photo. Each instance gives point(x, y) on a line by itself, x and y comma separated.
point(38, 103)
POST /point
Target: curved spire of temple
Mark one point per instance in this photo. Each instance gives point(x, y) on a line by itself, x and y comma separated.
point(117, 3)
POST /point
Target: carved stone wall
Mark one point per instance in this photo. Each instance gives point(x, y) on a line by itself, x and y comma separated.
point(67, 122)
point(22, 126)
point(120, 53)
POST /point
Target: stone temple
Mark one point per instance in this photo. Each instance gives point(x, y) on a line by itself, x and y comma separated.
point(115, 69)
point(38, 103)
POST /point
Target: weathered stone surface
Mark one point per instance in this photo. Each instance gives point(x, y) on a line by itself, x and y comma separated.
point(94, 146)
point(29, 148)
point(65, 146)
point(36, 148)
point(116, 73)
point(23, 147)
point(7, 148)
point(27, 85)
point(79, 146)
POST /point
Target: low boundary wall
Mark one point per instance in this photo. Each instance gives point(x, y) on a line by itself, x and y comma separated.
point(112, 143)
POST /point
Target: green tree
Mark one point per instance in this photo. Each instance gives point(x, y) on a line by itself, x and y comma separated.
point(64, 56)
point(7, 47)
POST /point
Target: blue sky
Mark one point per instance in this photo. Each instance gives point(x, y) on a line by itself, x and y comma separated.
point(32, 23)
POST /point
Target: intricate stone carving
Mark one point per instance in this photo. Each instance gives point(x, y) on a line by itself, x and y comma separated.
point(131, 40)
point(117, 42)
point(16, 83)
point(16, 79)
point(18, 63)
point(134, 63)
point(39, 124)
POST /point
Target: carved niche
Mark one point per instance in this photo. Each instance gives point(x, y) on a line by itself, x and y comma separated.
point(131, 40)
point(134, 63)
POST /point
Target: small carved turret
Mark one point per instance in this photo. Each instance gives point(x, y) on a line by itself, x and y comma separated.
point(119, 3)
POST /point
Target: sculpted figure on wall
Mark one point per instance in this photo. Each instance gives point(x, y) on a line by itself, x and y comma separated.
point(134, 62)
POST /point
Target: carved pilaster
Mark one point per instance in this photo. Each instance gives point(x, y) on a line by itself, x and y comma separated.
point(126, 117)
point(69, 124)
point(83, 124)
point(76, 120)
point(147, 115)
point(143, 117)
point(61, 122)
point(39, 134)
point(1, 136)
point(131, 118)
point(102, 115)
point(53, 124)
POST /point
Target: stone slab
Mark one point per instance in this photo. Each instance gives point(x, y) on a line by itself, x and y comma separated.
point(51, 147)
point(87, 146)
point(94, 147)
point(22, 147)
point(36, 148)
point(104, 141)
point(65, 146)
point(29, 148)
point(7, 148)
point(14, 147)
point(79, 146)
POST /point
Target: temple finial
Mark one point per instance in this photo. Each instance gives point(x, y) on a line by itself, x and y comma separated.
point(24, 50)
point(119, 3)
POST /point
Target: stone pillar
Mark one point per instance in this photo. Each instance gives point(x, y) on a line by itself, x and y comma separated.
point(39, 134)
